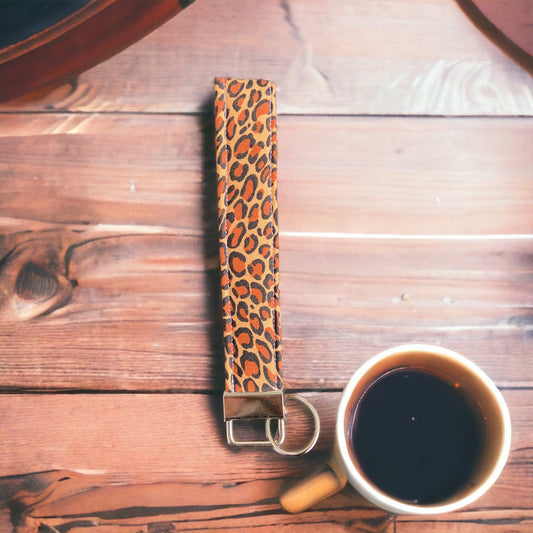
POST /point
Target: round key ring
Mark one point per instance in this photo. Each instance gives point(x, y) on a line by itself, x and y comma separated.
point(276, 444)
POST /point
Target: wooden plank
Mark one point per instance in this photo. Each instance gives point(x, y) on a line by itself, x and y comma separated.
point(97, 309)
point(393, 57)
point(405, 176)
point(88, 169)
point(67, 501)
point(343, 175)
point(63, 431)
point(124, 357)
point(93, 308)
point(521, 523)
point(143, 438)
point(118, 461)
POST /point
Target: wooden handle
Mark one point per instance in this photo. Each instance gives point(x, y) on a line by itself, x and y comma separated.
point(311, 491)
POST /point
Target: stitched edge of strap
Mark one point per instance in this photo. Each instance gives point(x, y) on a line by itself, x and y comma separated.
point(274, 368)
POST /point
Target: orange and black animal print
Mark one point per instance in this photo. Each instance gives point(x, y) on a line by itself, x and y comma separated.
point(246, 152)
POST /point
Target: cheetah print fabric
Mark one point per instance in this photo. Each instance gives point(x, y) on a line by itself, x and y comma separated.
point(246, 152)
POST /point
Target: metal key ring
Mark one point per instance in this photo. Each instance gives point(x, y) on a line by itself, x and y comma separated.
point(300, 451)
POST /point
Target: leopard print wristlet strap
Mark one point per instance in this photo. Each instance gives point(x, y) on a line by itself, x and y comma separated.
point(245, 124)
point(246, 159)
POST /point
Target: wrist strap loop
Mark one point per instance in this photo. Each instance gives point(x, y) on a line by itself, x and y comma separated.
point(246, 160)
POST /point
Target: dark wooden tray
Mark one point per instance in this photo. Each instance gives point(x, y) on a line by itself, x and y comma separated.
point(43, 44)
point(509, 24)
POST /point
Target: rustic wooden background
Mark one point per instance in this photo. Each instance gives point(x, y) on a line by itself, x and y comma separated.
point(406, 201)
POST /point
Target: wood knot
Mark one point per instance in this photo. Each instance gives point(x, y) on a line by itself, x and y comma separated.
point(35, 283)
point(33, 279)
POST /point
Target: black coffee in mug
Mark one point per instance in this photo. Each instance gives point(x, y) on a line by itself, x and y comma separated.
point(420, 430)
point(416, 435)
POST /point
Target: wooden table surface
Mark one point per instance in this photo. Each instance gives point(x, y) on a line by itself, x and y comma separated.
point(405, 208)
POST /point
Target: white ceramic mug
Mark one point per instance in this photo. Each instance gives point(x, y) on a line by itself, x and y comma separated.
point(344, 465)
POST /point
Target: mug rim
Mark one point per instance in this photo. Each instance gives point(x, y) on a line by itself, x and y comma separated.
point(380, 498)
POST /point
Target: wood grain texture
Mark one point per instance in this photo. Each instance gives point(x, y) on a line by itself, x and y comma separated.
point(67, 501)
point(146, 469)
point(390, 57)
point(442, 246)
point(140, 306)
point(341, 175)
point(405, 199)
point(518, 524)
